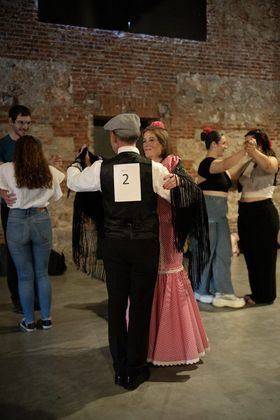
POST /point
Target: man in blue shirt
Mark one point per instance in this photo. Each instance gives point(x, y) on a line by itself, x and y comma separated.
point(19, 121)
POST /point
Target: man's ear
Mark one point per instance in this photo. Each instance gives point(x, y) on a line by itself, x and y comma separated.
point(114, 141)
point(114, 138)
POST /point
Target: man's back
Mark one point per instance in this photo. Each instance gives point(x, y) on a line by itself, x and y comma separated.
point(129, 219)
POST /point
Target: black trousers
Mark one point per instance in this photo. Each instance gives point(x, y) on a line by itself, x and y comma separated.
point(131, 271)
point(258, 226)
point(12, 278)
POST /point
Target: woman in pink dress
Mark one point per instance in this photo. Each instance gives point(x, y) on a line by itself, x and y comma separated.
point(177, 335)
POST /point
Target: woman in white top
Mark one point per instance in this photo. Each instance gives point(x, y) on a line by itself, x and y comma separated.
point(258, 219)
point(29, 232)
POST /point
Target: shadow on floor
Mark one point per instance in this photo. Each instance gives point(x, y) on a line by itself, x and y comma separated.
point(61, 379)
point(5, 307)
point(171, 373)
point(9, 329)
point(99, 308)
point(17, 412)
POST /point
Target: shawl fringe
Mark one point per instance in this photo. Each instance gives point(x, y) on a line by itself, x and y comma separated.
point(87, 233)
point(190, 223)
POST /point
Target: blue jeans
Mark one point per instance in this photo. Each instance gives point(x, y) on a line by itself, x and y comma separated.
point(29, 238)
point(216, 277)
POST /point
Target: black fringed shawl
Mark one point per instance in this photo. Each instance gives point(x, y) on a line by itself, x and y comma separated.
point(190, 222)
point(87, 229)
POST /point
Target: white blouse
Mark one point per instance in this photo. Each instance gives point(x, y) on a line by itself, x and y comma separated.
point(25, 197)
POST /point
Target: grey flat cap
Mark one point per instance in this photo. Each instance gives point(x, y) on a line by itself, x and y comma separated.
point(124, 125)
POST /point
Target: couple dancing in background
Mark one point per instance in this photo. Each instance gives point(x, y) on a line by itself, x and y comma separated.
point(258, 219)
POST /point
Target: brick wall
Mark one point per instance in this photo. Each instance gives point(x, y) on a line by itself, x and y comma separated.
point(67, 75)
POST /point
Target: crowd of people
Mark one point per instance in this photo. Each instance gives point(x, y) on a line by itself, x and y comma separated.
point(151, 211)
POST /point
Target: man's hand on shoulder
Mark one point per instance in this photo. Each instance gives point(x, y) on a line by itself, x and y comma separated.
point(170, 181)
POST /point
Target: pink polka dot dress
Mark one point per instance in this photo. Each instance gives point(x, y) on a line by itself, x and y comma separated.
point(177, 335)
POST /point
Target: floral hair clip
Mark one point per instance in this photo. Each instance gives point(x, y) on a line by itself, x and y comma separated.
point(207, 130)
point(158, 124)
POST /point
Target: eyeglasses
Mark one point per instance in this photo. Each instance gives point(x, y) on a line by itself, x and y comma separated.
point(22, 123)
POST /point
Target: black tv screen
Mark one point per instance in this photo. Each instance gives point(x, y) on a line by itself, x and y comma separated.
point(172, 18)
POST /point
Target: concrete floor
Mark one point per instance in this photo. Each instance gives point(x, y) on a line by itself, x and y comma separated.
point(66, 373)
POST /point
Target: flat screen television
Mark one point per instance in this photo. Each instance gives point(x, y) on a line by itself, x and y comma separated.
point(168, 18)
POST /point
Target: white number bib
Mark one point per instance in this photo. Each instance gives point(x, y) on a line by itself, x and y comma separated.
point(127, 185)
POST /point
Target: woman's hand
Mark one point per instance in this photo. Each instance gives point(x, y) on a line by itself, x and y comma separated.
point(250, 146)
point(57, 161)
point(268, 163)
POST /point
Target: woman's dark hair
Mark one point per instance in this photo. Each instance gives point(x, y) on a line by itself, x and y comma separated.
point(162, 135)
point(31, 167)
point(262, 140)
point(208, 136)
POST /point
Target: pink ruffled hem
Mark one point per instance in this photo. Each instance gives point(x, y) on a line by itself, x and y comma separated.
point(177, 335)
point(178, 362)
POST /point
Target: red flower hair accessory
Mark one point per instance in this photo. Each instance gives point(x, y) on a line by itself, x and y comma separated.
point(158, 124)
point(207, 130)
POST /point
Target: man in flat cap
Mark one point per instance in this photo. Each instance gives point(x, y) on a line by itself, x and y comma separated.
point(129, 184)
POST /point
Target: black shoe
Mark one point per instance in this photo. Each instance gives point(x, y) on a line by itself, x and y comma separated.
point(44, 324)
point(27, 327)
point(132, 382)
point(119, 380)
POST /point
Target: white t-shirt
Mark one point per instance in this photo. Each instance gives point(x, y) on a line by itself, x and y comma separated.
point(25, 197)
